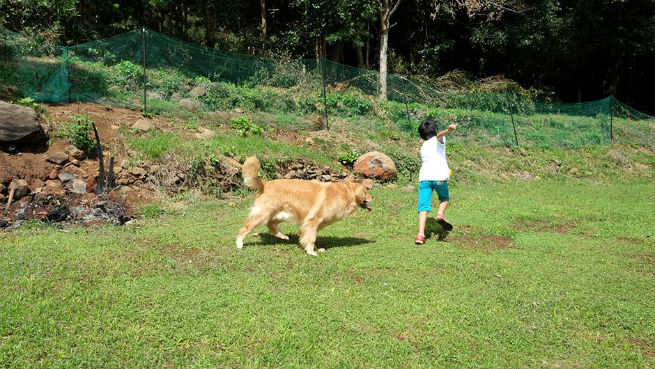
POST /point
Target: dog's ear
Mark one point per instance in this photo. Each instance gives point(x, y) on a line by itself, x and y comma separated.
point(368, 183)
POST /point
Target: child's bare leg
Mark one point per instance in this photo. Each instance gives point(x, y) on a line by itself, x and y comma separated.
point(422, 218)
point(442, 206)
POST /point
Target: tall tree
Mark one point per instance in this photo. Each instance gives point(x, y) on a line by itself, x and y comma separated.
point(386, 9)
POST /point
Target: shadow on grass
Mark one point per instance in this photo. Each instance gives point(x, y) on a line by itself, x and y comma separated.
point(432, 228)
point(267, 239)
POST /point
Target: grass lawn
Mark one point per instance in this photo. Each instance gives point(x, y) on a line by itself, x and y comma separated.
point(536, 274)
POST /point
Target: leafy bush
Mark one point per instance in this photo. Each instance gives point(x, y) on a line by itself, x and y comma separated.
point(348, 158)
point(245, 126)
point(407, 163)
point(31, 103)
point(349, 104)
point(81, 134)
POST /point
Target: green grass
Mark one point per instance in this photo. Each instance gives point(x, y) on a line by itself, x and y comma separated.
point(536, 274)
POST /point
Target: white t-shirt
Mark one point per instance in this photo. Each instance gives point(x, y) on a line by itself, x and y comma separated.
point(434, 166)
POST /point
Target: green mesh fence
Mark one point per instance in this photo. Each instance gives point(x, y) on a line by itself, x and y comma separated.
point(146, 70)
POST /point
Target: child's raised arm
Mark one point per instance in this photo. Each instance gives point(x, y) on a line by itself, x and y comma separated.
point(450, 128)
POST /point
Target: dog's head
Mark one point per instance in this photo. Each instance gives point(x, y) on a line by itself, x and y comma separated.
point(362, 197)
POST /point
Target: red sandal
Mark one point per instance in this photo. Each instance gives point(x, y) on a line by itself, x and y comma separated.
point(441, 219)
point(419, 240)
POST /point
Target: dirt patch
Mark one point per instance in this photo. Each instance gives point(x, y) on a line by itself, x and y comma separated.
point(483, 242)
point(87, 209)
point(645, 347)
point(541, 226)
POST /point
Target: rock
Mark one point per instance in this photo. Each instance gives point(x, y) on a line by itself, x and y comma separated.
point(375, 165)
point(230, 166)
point(75, 153)
point(326, 178)
point(176, 96)
point(53, 174)
point(20, 124)
point(153, 169)
point(20, 187)
point(200, 90)
point(290, 174)
point(53, 187)
point(189, 104)
point(181, 176)
point(618, 157)
point(143, 124)
point(58, 158)
point(573, 171)
point(205, 133)
point(125, 163)
point(65, 176)
point(36, 183)
point(153, 95)
point(76, 186)
point(238, 110)
point(138, 171)
point(91, 184)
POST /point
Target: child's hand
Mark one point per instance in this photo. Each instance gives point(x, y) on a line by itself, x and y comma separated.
point(452, 127)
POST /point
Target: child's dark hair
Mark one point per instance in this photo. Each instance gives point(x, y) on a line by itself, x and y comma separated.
point(428, 129)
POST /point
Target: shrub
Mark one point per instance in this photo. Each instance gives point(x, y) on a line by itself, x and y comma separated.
point(245, 126)
point(348, 158)
point(81, 135)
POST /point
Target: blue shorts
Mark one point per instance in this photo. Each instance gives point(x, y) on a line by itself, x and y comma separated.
point(425, 189)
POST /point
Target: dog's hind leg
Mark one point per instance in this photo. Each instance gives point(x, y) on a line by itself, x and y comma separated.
point(257, 217)
point(275, 231)
point(308, 237)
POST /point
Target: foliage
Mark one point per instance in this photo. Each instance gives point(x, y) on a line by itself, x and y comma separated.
point(154, 144)
point(245, 126)
point(31, 103)
point(80, 132)
point(348, 158)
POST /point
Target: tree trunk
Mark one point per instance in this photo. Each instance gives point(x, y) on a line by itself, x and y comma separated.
point(337, 51)
point(368, 49)
point(263, 11)
point(386, 8)
point(360, 55)
point(384, 37)
point(210, 22)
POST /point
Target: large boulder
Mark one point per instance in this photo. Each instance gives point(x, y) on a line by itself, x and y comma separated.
point(20, 124)
point(189, 104)
point(143, 124)
point(375, 165)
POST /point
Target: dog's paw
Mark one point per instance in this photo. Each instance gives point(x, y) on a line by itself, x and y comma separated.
point(312, 253)
point(321, 250)
point(239, 244)
point(282, 236)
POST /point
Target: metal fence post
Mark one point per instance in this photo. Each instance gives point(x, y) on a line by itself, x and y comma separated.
point(511, 116)
point(68, 74)
point(327, 122)
point(145, 78)
point(611, 119)
point(409, 120)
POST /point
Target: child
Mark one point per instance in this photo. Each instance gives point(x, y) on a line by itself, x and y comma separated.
point(433, 175)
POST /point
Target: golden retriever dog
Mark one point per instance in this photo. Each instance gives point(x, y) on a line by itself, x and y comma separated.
point(311, 204)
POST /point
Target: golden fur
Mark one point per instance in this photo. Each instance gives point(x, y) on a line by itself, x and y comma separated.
point(313, 205)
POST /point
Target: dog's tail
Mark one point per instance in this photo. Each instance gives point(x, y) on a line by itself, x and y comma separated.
point(250, 170)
